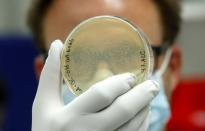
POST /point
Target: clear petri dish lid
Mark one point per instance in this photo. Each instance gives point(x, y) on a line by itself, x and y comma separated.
point(103, 46)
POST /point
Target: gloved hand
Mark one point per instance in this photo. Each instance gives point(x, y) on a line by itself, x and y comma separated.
point(112, 104)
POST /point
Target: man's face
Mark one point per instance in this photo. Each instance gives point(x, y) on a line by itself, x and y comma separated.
point(64, 15)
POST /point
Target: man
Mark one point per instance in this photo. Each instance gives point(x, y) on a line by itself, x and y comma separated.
point(158, 19)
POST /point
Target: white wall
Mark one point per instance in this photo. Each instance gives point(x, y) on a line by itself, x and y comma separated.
point(13, 15)
point(192, 41)
point(192, 37)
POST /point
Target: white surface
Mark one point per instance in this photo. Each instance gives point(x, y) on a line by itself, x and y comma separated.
point(192, 41)
point(13, 16)
point(193, 10)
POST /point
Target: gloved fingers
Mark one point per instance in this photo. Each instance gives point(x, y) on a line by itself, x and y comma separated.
point(135, 123)
point(145, 124)
point(48, 94)
point(128, 105)
point(103, 93)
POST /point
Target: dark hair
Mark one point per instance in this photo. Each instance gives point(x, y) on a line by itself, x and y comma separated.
point(169, 11)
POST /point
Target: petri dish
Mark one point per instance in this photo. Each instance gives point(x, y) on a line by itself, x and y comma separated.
point(103, 46)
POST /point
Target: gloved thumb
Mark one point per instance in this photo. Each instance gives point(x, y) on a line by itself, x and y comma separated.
point(49, 90)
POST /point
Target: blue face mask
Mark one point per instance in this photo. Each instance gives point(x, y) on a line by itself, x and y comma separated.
point(67, 95)
point(159, 106)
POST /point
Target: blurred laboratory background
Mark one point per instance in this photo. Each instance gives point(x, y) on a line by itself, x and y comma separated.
point(18, 82)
